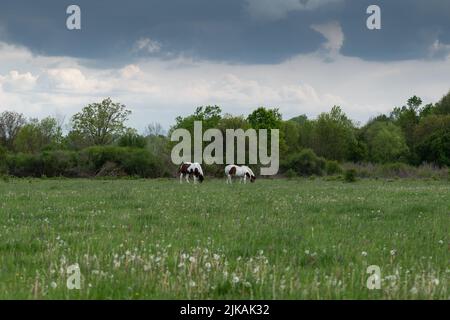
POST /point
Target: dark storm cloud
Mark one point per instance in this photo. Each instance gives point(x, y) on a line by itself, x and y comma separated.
point(231, 30)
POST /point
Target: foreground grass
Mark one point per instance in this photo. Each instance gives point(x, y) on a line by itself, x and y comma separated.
point(146, 239)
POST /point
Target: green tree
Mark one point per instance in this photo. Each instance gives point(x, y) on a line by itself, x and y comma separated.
point(10, 125)
point(443, 106)
point(291, 134)
point(101, 123)
point(334, 135)
point(306, 133)
point(431, 136)
point(208, 115)
point(36, 136)
point(407, 117)
point(436, 148)
point(229, 121)
point(386, 142)
point(263, 118)
point(131, 138)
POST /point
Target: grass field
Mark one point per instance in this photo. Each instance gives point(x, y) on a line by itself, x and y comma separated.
point(275, 239)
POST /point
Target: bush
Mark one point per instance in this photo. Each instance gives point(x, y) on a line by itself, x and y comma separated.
point(3, 164)
point(97, 156)
point(332, 167)
point(25, 165)
point(306, 163)
point(350, 175)
point(133, 140)
point(133, 161)
point(214, 170)
point(290, 174)
point(142, 163)
point(59, 163)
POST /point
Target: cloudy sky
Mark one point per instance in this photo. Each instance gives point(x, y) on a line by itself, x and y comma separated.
point(162, 58)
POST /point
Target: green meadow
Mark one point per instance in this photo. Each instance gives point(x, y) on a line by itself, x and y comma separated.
point(274, 239)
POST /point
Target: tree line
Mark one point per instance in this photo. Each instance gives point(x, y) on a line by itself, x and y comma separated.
point(99, 143)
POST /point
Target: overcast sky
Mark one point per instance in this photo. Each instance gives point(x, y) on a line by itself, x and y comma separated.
point(164, 58)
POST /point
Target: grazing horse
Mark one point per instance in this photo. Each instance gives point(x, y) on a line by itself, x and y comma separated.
point(243, 172)
point(190, 169)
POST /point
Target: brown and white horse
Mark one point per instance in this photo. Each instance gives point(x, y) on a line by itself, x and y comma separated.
point(243, 172)
point(191, 169)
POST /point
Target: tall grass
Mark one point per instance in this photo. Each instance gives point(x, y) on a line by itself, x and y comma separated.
point(275, 239)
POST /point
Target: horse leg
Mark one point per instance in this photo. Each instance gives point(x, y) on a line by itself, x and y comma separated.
point(181, 178)
point(187, 178)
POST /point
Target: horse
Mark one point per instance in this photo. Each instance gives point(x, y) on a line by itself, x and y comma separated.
point(243, 172)
point(191, 169)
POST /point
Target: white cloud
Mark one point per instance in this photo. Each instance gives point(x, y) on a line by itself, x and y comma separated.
point(332, 32)
point(130, 71)
point(71, 80)
point(278, 9)
point(16, 81)
point(159, 90)
point(147, 45)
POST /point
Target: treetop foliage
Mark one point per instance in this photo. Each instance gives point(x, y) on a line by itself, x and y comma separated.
point(411, 134)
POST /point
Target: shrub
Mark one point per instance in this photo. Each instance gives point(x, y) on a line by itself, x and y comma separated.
point(110, 169)
point(350, 175)
point(214, 170)
point(59, 163)
point(332, 167)
point(133, 161)
point(97, 156)
point(133, 140)
point(306, 163)
point(3, 164)
point(290, 173)
point(25, 165)
point(142, 163)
